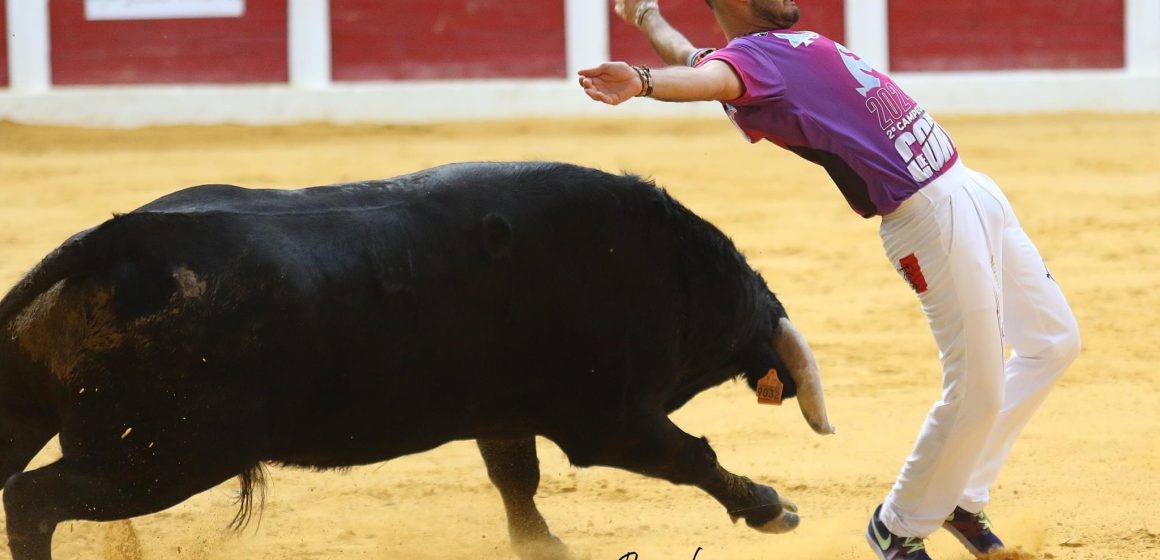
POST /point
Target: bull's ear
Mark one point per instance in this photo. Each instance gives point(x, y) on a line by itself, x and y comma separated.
point(763, 359)
point(497, 236)
point(760, 368)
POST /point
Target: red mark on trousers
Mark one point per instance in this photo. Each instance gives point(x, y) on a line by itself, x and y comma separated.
point(913, 273)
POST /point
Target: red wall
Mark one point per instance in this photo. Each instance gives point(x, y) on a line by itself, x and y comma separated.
point(442, 39)
point(249, 49)
point(1001, 34)
point(433, 39)
point(695, 20)
point(3, 44)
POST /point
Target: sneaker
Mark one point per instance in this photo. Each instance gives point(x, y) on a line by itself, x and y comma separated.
point(889, 546)
point(973, 530)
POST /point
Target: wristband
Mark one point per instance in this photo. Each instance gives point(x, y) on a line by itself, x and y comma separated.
point(646, 81)
point(697, 55)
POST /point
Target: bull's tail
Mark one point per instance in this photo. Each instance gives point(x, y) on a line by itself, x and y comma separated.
point(253, 483)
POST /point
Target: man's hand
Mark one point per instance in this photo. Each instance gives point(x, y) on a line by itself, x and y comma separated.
point(612, 82)
point(632, 10)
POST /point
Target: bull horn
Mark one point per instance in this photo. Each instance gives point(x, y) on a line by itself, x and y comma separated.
point(792, 347)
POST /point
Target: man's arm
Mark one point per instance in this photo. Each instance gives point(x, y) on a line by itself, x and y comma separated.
point(616, 82)
point(645, 15)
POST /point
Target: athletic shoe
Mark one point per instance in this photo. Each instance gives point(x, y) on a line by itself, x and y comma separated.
point(889, 546)
point(973, 530)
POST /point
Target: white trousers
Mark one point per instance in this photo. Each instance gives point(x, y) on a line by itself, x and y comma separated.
point(981, 283)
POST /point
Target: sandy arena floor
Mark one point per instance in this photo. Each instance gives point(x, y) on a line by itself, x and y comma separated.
point(1083, 483)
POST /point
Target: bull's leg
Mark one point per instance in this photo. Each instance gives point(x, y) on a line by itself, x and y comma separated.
point(19, 444)
point(656, 447)
point(36, 501)
point(514, 469)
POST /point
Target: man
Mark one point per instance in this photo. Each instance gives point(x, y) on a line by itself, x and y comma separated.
point(948, 230)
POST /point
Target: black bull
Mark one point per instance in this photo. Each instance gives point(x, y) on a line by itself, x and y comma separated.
point(220, 328)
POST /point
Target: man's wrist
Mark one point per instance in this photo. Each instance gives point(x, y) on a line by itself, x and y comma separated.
point(643, 10)
point(646, 80)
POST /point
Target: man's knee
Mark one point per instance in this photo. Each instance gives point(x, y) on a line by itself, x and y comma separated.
point(986, 403)
point(1068, 348)
point(977, 404)
point(1063, 348)
point(1053, 347)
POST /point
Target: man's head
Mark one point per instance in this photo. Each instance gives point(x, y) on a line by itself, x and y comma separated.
point(738, 17)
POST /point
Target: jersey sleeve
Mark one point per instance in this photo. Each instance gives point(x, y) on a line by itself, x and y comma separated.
point(762, 80)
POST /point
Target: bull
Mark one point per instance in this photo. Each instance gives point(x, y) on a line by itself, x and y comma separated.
point(219, 329)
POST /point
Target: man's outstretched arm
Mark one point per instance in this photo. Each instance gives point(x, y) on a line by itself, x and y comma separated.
point(616, 82)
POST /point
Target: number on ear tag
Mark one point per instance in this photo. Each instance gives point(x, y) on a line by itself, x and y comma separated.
point(769, 389)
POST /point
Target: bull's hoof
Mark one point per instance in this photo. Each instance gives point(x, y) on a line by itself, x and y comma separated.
point(550, 548)
point(783, 523)
point(772, 514)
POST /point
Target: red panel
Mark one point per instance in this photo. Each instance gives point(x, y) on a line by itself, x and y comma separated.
point(3, 44)
point(440, 39)
point(249, 49)
point(1001, 35)
point(695, 20)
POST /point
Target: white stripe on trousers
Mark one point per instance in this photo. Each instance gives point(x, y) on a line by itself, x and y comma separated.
point(985, 284)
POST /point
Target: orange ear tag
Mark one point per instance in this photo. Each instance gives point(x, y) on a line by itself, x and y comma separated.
point(769, 389)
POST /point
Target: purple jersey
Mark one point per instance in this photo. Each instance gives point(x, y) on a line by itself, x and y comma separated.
point(817, 99)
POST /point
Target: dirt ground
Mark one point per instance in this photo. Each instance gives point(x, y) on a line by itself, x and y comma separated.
point(1083, 483)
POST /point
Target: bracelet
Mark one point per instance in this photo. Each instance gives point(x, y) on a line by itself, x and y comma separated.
point(646, 80)
point(642, 9)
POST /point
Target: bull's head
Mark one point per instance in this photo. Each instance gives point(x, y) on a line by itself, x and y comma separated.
point(797, 370)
